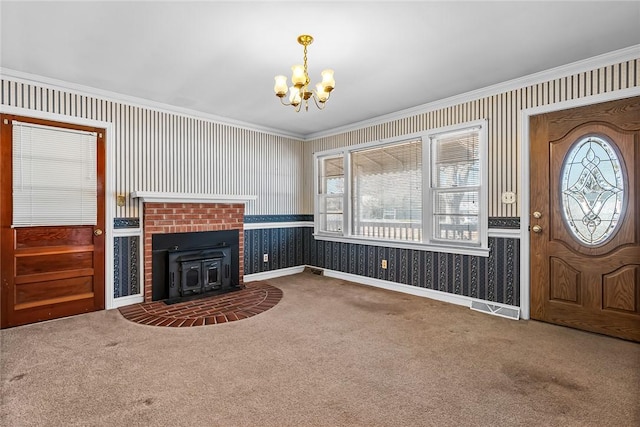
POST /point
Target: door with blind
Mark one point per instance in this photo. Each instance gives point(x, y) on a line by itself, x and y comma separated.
point(52, 220)
point(585, 218)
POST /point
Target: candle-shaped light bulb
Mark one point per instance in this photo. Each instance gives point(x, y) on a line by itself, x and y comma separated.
point(297, 77)
point(321, 94)
point(327, 80)
point(294, 96)
point(280, 87)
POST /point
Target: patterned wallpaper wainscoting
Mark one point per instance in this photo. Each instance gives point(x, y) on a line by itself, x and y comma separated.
point(255, 219)
point(504, 222)
point(495, 278)
point(126, 266)
point(126, 223)
point(282, 237)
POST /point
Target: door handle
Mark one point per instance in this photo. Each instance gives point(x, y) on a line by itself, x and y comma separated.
point(537, 229)
point(97, 232)
point(537, 215)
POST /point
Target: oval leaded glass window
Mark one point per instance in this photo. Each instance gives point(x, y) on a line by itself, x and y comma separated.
point(592, 190)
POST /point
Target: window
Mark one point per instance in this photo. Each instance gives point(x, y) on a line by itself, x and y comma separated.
point(455, 186)
point(54, 176)
point(426, 191)
point(330, 194)
point(386, 197)
point(593, 190)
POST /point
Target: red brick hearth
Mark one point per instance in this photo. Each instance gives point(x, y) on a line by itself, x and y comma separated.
point(254, 299)
point(188, 217)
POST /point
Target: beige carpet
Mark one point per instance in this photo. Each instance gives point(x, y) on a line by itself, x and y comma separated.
point(330, 353)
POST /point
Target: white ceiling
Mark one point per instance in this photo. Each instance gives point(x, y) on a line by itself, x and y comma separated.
point(220, 58)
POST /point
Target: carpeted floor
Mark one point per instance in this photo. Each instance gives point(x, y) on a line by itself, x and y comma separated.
point(330, 353)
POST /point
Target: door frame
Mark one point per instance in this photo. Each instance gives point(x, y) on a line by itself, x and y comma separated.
point(109, 194)
point(525, 181)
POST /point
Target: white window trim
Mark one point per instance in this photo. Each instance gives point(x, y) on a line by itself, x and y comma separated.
point(477, 249)
point(483, 212)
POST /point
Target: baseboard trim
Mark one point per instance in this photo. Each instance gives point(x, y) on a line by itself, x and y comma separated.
point(413, 290)
point(273, 273)
point(400, 287)
point(128, 300)
point(383, 284)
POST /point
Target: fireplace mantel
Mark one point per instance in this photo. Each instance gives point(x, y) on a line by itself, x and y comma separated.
point(164, 197)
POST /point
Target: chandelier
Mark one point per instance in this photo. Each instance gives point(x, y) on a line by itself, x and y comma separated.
point(300, 91)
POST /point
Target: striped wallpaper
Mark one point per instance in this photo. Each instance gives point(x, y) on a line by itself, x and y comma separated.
point(168, 152)
point(503, 114)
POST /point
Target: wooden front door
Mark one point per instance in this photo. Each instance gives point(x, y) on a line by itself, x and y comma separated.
point(585, 209)
point(49, 271)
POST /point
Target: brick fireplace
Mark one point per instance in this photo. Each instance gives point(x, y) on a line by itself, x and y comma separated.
point(178, 217)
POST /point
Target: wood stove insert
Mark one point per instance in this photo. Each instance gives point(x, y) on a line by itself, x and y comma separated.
point(198, 271)
point(195, 264)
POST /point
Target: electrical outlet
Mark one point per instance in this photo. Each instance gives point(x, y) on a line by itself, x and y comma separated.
point(508, 197)
point(384, 264)
point(265, 258)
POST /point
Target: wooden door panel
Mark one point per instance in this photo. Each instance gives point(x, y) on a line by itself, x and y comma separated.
point(587, 284)
point(565, 282)
point(623, 114)
point(49, 271)
point(56, 275)
point(606, 263)
point(625, 326)
point(61, 307)
point(32, 294)
point(621, 290)
point(37, 237)
point(61, 261)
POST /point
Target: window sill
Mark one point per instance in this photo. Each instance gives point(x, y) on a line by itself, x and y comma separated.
point(461, 250)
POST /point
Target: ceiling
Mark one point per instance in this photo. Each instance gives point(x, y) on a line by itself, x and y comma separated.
point(219, 58)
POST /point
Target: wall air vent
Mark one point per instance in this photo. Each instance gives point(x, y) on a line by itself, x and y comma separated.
point(496, 309)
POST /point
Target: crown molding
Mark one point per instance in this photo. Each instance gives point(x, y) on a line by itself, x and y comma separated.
point(621, 55)
point(610, 58)
point(78, 89)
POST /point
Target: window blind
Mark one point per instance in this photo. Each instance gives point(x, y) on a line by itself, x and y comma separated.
point(456, 186)
point(330, 193)
point(387, 191)
point(54, 176)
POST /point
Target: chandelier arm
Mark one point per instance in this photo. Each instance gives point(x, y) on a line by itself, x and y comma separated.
point(320, 105)
point(282, 101)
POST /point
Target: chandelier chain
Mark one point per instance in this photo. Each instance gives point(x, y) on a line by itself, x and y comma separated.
point(306, 74)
